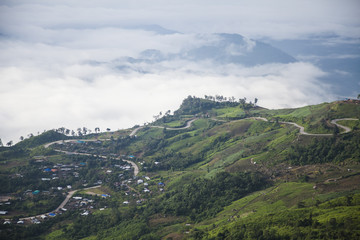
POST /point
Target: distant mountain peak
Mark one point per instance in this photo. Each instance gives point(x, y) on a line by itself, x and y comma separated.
point(153, 28)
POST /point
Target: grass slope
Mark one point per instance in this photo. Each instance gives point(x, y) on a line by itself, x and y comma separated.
point(298, 186)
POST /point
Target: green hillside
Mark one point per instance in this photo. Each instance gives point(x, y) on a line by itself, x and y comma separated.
point(237, 171)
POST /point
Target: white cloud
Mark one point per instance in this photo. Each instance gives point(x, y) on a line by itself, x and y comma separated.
point(255, 18)
point(117, 100)
point(59, 61)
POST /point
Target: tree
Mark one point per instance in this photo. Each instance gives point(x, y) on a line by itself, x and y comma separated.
point(97, 129)
point(85, 130)
point(61, 130)
point(256, 100)
point(242, 102)
point(108, 129)
point(21, 138)
point(358, 97)
point(1, 144)
point(79, 130)
point(336, 131)
point(9, 143)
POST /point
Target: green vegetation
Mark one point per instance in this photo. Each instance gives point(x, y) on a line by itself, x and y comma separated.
point(326, 150)
point(227, 176)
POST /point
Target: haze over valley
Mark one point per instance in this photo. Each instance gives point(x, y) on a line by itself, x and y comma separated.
point(113, 65)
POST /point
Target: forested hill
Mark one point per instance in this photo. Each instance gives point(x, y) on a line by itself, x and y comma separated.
point(217, 168)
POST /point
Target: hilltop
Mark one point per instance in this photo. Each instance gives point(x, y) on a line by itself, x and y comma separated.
point(216, 168)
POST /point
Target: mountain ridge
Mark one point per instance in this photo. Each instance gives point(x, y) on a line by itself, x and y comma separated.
point(241, 177)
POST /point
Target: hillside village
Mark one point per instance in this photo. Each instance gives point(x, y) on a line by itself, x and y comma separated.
point(56, 183)
point(234, 162)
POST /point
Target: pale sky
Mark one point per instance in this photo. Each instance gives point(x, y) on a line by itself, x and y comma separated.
point(59, 61)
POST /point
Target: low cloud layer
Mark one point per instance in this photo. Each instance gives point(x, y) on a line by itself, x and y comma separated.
point(93, 96)
point(74, 64)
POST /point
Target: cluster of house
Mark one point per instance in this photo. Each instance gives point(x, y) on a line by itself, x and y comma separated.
point(356, 101)
point(80, 203)
point(7, 221)
point(141, 181)
point(62, 170)
point(33, 220)
point(126, 167)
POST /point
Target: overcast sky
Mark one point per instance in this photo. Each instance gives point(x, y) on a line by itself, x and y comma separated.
point(58, 61)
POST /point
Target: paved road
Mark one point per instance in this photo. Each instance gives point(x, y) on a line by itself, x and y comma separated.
point(188, 124)
point(347, 129)
point(135, 131)
point(70, 194)
point(136, 168)
point(302, 129)
point(72, 140)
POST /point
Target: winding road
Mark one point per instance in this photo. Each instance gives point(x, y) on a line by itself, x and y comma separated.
point(136, 168)
point(302, 129)
point(347, 129)
point(71, 140)
point(188, 124)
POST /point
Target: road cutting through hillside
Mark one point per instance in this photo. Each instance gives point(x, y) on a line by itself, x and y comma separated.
point(136, 168)
point(302, 129)
point(188, 124)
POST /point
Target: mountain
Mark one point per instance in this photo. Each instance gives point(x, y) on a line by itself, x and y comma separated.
point(338, 57)
point(215, 169)
point(236, 49)
point(221, 49)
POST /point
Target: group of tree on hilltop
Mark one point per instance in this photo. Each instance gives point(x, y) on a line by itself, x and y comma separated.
point(194, 105)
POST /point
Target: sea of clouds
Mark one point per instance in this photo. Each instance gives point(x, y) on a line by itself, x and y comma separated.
point(66, 64)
